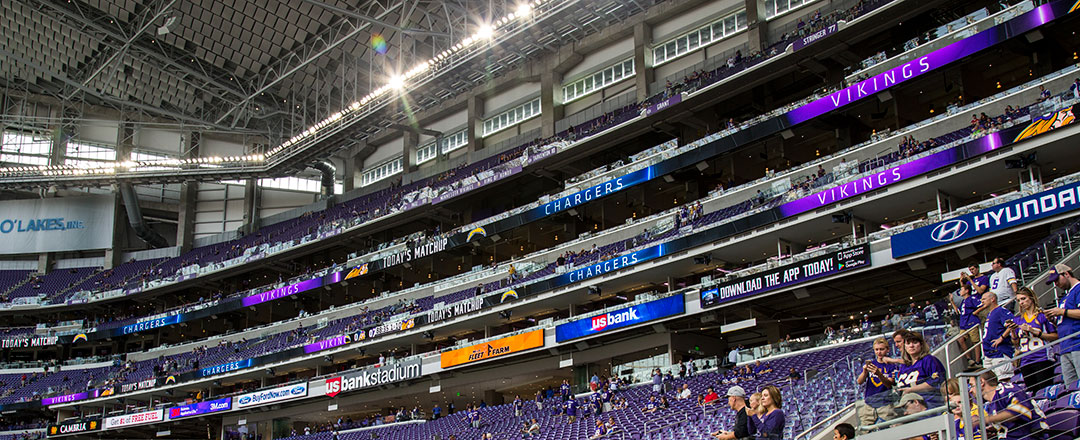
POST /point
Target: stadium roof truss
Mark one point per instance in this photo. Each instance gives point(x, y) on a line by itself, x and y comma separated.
point(264, 69)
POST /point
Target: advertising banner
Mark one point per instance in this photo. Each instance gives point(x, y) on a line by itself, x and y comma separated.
point(225, 368)
point(195, 409)
point(661, 308)
point(281, 292)
point(56, 224)
point(1006, 215)
point(496, 348)
point(373, 377)
point(141, 418)
point(812, 38)
point(68, 398)
point(148, 325)
point(787, 276)
point(279, 394)
point(74, 427)
point(931, 61)
point(29, 341)
point(670, 101)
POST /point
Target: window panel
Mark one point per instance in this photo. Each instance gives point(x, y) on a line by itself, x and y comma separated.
point(699, 38)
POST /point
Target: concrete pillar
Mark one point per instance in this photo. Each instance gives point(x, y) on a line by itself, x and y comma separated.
point(410, 140)
point(476, 124)
point(354, 164)
point(185, 219)
point(643, 60)
point(757, 27)
point(114, 253)
point(251, 206)
point(550, 101)
point(45, 262)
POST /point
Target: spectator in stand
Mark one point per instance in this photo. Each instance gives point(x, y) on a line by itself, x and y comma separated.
point(564, 390)
point(968, 322)
point(951, 390)
point(772, 422)
point(685, 393)
point(921, 373)
point(1003, 283)
point(571, 410)
point(1011, 407)
point(534, 428)
point(743, 427)
point(599, 431)
point(650, 406)
point(657, 380)
point(1068, 314)
point(997, 343)
point(1032, 331)
point(980, 284)
point(710, 397)
point(879, 377)
point(519, 406)
point(913, 404)
point(1043, 93)
point(843, 431)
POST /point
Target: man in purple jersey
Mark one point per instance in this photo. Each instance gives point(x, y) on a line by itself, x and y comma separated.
point(1011, 407)
point(997, 341)
point(969, 306)
point(979, 283)
point(879, 378)
point(1068, 314)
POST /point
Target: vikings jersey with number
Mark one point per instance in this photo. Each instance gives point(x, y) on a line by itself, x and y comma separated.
point(1029, 342)
point(1028, 422)
point(928, 370)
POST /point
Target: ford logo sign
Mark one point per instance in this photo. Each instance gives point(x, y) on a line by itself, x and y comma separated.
point(949, 231)
point(297, 390)
point(244, 400)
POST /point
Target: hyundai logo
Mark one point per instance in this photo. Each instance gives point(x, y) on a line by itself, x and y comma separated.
point(949, 230)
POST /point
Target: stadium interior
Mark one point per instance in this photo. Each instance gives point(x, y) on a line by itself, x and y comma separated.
point(539, 219)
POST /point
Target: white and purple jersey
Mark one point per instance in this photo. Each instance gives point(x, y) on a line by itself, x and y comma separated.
point(1029, 342)
point(1029, 418)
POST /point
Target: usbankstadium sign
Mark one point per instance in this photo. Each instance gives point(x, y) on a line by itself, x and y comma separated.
point(787, 276)
point(652, 310)
point(373, 377)
point(1035, 207)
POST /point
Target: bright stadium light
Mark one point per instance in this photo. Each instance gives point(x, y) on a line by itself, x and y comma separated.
point(523, 10)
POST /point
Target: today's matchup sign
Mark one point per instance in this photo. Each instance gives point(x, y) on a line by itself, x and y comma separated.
point(627, 316)
point(788, 275)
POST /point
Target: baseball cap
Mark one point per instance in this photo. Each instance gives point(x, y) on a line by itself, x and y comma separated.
point(736, 391)
point(910, 397)
point(1056, 271)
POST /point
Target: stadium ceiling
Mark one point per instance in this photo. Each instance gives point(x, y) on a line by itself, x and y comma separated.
point(268, 69)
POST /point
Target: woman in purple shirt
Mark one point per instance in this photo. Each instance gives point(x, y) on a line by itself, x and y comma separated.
point(772, 422)
point(921, 372)
point(1034, 330)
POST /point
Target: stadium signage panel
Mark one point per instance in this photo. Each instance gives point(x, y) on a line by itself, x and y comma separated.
point(68, 398)
point(148, 325)
point(195, 409)
point(661, 308)
point(391, 327)
point(592, 193)
point(279, 394)
point(373, 377)
point(413, 251)
point(281, 292)
point(225, 368)
point(1006, 215)
point(670, 101)
point(613, 264)
point(492, 349)
point(931, 61)
point(144, 385)
point(788, 275)
point(327, 344)
point(40, 341)
point(459, 308)
point(814, 37)
point(140, 418)
point(74, 427)
point(57, 224)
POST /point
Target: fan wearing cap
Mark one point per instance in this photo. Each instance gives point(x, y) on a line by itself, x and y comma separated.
point(913, 403)
point(743, 428)
point(1068, 314)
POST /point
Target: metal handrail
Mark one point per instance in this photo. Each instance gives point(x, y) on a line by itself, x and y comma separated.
point(808, 432)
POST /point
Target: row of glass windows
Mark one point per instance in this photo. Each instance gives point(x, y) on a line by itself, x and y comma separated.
point(380, 172)
point(598, 80)
point(446, 145)
point(513, 116)
point(778, 7)
point(689, 42)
